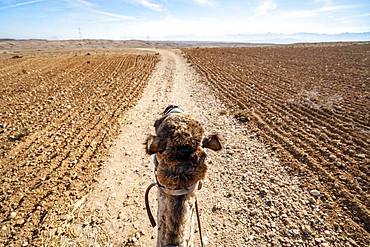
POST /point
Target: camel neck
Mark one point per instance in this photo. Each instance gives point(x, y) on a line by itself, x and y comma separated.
point(176, 217)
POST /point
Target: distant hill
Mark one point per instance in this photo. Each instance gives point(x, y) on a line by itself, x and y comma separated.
point(275, 38)
point(278, 38)
point(233, 39)
point(4, 40)
point(238, 40)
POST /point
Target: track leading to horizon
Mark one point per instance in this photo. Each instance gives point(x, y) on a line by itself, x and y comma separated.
point(81, 129)
point(248, 198)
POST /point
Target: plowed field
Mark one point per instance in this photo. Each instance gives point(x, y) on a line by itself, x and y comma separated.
point(310, 104)
point(58, 116)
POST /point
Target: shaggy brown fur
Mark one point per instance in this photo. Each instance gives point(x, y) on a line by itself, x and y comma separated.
point(179, 152)
point(181, 174)
point(178, 146)
point(179, 130)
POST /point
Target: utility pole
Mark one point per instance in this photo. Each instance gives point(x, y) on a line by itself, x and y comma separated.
point(80, 37)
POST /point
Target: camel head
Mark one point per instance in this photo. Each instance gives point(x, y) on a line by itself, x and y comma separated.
point(179, 147)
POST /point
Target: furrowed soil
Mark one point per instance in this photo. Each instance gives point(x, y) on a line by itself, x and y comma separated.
point(75, 171)
point(248, 199)
point(59, 115)
point(311, 105)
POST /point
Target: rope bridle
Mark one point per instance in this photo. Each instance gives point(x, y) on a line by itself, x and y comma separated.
point(172, 192)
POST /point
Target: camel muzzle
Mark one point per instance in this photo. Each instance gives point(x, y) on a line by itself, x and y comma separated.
point(171, 192)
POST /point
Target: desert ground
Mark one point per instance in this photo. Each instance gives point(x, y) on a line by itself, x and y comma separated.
point(294, 120)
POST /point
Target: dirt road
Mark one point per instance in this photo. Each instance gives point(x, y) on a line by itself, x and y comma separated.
point(248, 199)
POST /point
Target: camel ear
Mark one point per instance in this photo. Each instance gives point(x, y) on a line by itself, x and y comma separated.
point(212, 142)
point(158, 122)
point(152, 144)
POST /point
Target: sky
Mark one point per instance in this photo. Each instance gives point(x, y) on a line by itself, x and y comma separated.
point(178, 19)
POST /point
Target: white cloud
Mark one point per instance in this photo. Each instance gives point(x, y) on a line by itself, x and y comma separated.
point(115, 16)
point(85, 2)
point(264, 7)
point(315, 12)
point(219, 28)
point(334, 8)
point(16, 5)
point(204, 2)
point(97, 22)
point(325, 2)
point(94, 9)
point(355, 16)
point(149, 4)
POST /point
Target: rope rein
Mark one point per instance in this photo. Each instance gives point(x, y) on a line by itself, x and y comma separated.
point(197, 185)
point(147, 206)
point(199, 226)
